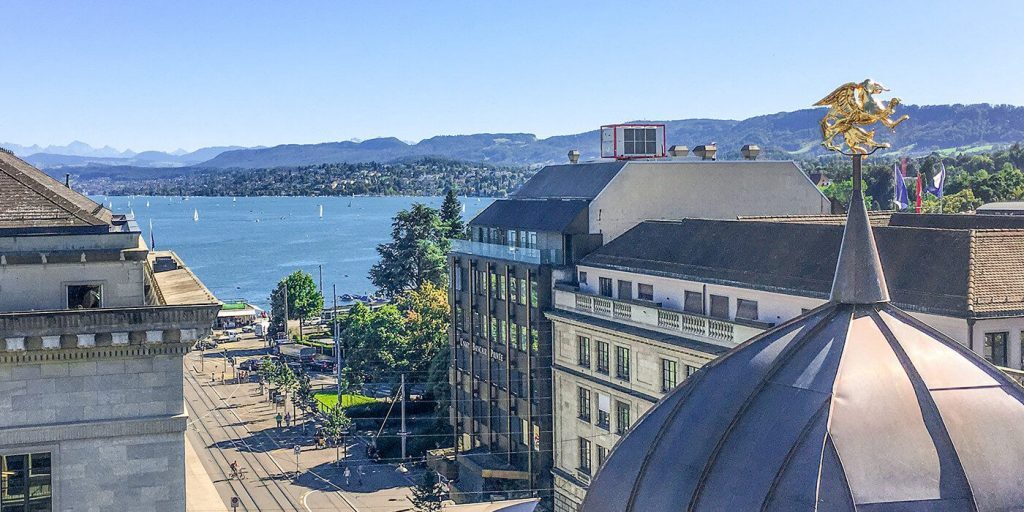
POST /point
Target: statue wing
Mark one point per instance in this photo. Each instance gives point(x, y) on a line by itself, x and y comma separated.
point(844, 94)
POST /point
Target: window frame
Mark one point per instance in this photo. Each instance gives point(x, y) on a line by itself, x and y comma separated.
point(623, 363)
point(687, 296)
point(96, 284)
point(603, 357)
point(605, 287)
point(584, 406)
point(989, 347)
point(622, 416)
point(640, 295)
point(583, 351)
point(584, 465)
point(711, 310)
point(669, 374)
point(741, 314)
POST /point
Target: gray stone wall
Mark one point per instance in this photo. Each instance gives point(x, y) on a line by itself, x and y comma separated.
point(93, 390)
point(137, 473)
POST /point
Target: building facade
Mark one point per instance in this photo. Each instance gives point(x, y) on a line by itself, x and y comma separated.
point(644, 311)
point(502, 282)
point(91, 342)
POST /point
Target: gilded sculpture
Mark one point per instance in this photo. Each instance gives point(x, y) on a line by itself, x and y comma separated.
point(852, 108)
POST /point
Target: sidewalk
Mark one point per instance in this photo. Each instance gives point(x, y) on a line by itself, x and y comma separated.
point(200, 494)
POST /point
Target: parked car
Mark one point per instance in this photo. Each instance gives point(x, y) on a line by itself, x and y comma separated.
point(206, 344)
point(250, 365)
point(248, 328)
point(295, 366)
point(321, 365)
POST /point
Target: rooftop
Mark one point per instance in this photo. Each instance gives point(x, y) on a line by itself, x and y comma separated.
point(955, 272)
point(179, 286)
point(533, 214)
point(32, 199)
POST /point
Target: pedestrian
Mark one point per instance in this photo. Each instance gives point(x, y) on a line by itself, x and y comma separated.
point(348, 473)
point(287, 419)
point(278, 417)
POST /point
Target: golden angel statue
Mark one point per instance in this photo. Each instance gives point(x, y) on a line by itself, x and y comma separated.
point(853, 106)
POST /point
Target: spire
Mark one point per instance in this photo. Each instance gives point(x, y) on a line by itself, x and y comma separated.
point(859, 278)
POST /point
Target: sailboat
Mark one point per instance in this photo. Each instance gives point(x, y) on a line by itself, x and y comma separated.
point(195, 215)
point(321, 211)
point(147, 204)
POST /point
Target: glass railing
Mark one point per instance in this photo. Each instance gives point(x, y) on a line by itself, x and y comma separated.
point(504, 252)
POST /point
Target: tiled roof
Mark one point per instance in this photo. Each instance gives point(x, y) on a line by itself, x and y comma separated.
point(876, 218)
point(31, 199)
point(996, 281)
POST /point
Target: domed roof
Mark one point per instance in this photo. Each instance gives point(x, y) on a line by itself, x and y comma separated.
point(852, 406)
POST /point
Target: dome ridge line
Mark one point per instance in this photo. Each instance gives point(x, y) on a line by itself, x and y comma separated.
point(777, 363)
point(826, 408)
point(933, 421)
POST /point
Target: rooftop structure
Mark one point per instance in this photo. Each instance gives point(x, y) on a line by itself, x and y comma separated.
point(852, 406)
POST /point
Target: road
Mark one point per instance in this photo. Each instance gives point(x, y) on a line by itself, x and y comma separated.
point(233, 422)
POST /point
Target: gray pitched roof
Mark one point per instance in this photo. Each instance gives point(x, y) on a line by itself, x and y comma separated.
point(532, 214)
point(926, 269)
point(570, 181)
point(957, 221)
point(849, 407)
point(32, 199)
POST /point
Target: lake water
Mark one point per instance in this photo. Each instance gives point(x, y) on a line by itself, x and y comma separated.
point(241, 248)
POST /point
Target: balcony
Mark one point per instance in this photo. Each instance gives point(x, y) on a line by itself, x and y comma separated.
point(651, 316)
point(507, 253)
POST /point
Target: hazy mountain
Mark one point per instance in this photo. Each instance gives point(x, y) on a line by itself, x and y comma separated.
point(75, 148)
point(47, 159)
point(786, 134)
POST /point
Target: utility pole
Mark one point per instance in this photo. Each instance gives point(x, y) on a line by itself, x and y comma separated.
point(337, 342)
point(286, 309)
point(321, 267)
point(403, 432)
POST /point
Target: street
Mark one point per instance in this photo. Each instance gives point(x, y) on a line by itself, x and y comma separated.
point(232, 422)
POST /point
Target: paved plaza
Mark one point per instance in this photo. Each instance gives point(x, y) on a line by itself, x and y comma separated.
point(233, 422)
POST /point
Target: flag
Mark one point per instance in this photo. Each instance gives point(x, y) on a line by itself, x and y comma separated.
point(900, 196)
point(938, 182)
point(917, 205)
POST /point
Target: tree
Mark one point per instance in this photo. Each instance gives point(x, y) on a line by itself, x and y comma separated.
point(336, 424)
point(427, 495)
point(304, 396)
point(375, 343)
point(415, 255)
point(451, 216)
point(304, 300)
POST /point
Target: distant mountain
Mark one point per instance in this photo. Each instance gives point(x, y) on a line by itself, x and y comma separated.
point(180, 158)
point(76, 148)
point(782, 135)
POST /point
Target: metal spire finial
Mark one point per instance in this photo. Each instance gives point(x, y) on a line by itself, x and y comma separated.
point(859, 278)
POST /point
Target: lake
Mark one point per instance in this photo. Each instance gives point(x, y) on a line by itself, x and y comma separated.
point(242, 247)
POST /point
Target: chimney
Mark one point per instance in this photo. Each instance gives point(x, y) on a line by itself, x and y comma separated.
point(574, 156)
point(750, 151)
point(678, 151)
point(706, 151)
point(67, 179)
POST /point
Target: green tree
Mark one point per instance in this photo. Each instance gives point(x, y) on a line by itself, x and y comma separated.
point(336, 425)
point(304, 300)
point(304, 396)
point(415, 254)
point(451, 216)
point(427, 495)
point(841, 192)
point(375, 344)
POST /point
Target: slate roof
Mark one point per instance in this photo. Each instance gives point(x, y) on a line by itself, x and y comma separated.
point(531, 214)
point(876, 218)
point(950, 272)
point(29, 198)
point(957, 221)
point(570, 181)
point(1002, 206)
point(846, 408)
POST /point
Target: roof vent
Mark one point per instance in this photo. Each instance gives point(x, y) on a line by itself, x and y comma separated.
point(750, 151)
point(706, 151)
point(678, 151)
point(574, 156)
point(5, 150)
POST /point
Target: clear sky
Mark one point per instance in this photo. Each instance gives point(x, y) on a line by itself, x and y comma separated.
point(164, 75)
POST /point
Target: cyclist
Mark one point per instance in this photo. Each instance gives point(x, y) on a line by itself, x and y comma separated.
point(234, 469)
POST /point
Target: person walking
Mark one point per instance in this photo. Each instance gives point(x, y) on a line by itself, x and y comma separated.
point(287, 419)
point(348, 473)
point(278, 418)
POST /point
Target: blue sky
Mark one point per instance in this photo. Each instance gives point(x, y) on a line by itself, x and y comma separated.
point(164, 75)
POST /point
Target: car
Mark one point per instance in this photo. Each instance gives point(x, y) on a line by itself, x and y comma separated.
point(295, 366)
point(232, 337)
point(250, 365)
point(248, 328)
point(321, 365)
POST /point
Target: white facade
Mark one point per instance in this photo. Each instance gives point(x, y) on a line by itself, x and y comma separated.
point(44, 286)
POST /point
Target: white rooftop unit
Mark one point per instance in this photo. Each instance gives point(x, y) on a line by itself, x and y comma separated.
point(632, 140)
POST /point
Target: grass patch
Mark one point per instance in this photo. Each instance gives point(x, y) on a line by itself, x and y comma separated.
point(329, 399)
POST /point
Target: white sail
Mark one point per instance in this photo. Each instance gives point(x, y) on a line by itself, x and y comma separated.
point(195, 215)
point(147, 204)
point(321, 211)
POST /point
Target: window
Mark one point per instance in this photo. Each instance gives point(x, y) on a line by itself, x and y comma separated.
point(493, 289)
point(522, 291)
point(501, 332)
point(583, 405)
point(513, 290)
point(501, 287)
point(995, 347)
point(668, 375)
point(458, 280)
point(622, 362)
point(604, 411)
point(584, 456)
point(493, 333)
point(26, 482)
point(640, 141)
point(621, 417)
point(510, 237)
point(477, 327)
point(602, 357)
point(583, 278)
point(602, 455)
point(84, 296)
point(534, 341)
point(693, 302)
point(645, 291)
point(533, 293)
point(719, 306)
point(478, 282)
point(532, 241)
point(605, 285)
point(625, 290)
point(1022, 349)
point(746, 308)
point(460, 319)
point(524, 333)
point(583, 351)
point(690, 370)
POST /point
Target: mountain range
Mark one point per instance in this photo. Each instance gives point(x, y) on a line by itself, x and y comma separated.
point(782, 135)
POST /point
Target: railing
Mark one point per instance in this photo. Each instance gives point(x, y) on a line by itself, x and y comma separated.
point(504, 252)
point(103, 320)
point(652, 316)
